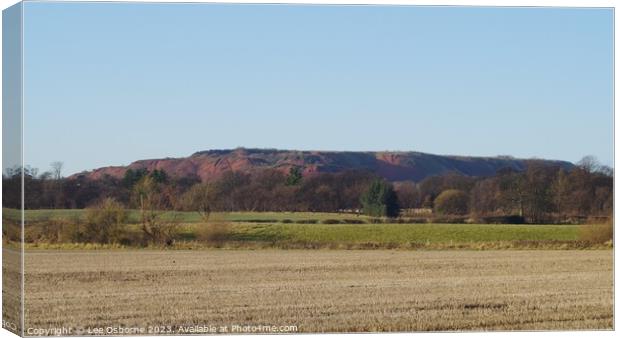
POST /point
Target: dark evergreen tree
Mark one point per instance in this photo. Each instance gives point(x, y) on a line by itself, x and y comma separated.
point(294, 176)
point(380, 200)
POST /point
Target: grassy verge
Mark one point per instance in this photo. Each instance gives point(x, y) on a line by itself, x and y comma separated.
point(366, 236)
point(299, 230)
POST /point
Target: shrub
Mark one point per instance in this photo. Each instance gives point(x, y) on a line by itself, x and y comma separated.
point(130, 238)
point(52, 230)
point(70, 232)
point(260, 220)
point(215, 233)
point(104, 222)
point(11, 230)
point(353, 221)
point(331, 221)
point(307, 221)
point(451, 202)
point(597, 233)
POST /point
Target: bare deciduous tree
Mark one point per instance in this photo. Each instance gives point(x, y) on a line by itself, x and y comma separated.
point(155, 227)
point(201, 198)
point(56, 170)
point(57, 185)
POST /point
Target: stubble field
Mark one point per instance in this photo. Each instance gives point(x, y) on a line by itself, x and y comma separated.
point(320, 290)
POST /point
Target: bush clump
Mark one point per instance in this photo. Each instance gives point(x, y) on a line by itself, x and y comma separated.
point(331, 221)
point(53, 230)
point(260, 220)
point(597, 233)
point(105, 222)
point(215, 233)
point(11, 230)
point(307, 221)
point(353, 221)
point(451, 202)
point(70, 232)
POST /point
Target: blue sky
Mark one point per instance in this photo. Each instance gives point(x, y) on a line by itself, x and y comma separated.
point(110, 83)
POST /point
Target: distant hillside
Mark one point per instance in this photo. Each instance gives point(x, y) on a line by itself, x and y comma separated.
point(394, 166)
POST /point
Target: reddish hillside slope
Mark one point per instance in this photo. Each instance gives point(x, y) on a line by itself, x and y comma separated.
point(394, 166)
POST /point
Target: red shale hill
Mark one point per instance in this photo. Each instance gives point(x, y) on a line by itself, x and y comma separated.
point(394, 166)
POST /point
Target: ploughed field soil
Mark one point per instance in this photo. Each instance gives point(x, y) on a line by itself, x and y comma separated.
point(320, 290)
point(11, 290)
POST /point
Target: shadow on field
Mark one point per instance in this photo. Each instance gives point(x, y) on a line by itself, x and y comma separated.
point(223, 232)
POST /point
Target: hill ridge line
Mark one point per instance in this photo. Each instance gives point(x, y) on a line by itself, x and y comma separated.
point(392, 165)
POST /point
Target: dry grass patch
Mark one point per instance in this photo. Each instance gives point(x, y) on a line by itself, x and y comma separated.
point(597, 233)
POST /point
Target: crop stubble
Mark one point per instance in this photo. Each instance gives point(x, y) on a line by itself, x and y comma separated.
point(322, 290)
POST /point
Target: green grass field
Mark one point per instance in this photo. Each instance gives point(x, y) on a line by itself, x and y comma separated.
point(403, 233)
point(188, 217)
point(267, 229)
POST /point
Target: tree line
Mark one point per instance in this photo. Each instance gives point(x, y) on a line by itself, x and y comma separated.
point(540, 193)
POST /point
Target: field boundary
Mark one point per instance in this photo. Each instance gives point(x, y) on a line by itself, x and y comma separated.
point(422, 246)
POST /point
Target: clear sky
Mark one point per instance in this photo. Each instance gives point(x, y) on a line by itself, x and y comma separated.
point(110, 83)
